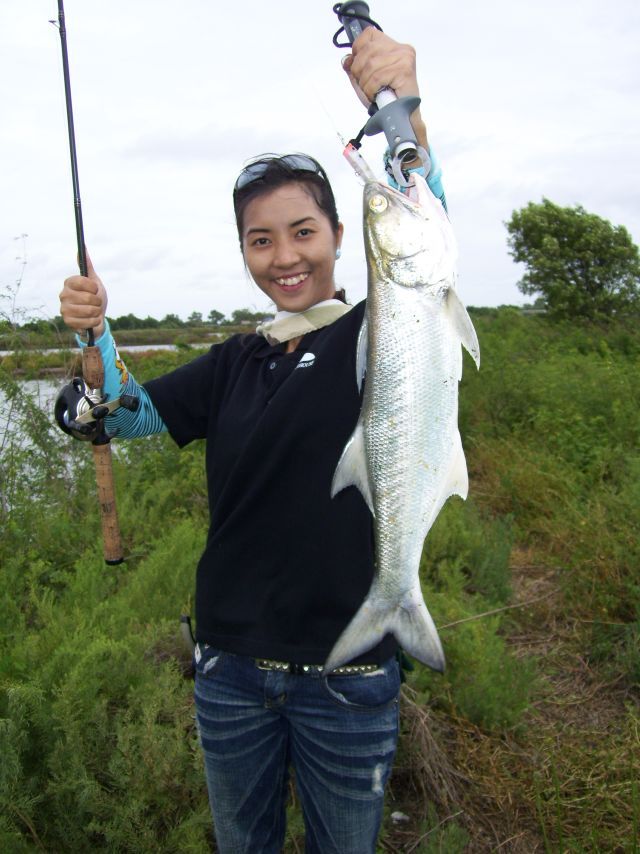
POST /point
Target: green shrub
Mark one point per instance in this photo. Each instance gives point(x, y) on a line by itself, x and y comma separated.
point(469, 552)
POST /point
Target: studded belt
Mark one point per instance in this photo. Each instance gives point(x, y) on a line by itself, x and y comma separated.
point(305, 669)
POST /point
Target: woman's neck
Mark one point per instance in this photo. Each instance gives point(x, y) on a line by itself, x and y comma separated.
point(292, 343)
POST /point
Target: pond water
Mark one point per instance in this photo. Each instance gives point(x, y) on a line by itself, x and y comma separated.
point(43, 392)
point(133, 348)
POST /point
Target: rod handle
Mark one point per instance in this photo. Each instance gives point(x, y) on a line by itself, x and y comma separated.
point(92, 367)
point(112, 546)
point(93, 373)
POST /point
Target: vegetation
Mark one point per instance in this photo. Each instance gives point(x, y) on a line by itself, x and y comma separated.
point(35, 334)
point(580, 264)
point(528, 743)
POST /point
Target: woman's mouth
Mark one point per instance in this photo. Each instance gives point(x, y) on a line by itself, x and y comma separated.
point(292, 283)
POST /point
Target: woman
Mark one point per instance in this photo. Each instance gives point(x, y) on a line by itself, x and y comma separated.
point(285, 566)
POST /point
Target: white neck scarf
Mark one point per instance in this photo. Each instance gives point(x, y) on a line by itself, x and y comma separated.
point(289, 324)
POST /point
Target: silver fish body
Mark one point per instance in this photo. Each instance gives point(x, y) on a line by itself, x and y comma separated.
point(405, 454)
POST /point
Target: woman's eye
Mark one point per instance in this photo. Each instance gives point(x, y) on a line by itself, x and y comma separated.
point(260, 241)
point(305, 232)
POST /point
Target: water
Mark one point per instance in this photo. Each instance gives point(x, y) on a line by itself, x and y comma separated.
point(42, 392)
point(45, 391)
point(133, 348)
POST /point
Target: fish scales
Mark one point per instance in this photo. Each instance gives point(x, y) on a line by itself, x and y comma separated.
point(405, 454)
point(405, 408)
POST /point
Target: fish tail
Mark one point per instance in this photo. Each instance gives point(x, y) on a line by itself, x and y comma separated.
point(410, 622)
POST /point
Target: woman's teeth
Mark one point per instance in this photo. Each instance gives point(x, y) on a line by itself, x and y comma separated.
point(291, 281)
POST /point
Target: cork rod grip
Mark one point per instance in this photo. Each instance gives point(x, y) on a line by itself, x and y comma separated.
point(93, 372)
point(111, 544)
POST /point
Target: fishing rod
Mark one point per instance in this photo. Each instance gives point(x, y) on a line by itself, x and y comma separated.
point(388, 113)
point(81, 407)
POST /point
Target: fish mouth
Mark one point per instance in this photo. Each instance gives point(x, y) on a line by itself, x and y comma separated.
point(395, 197)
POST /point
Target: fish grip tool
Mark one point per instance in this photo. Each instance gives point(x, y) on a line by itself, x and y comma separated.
point(68, 408)
point(388, 113)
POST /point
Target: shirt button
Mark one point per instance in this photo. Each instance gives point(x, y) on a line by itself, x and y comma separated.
point(272, 365)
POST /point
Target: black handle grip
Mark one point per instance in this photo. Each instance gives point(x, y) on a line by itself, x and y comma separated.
point(354, 17)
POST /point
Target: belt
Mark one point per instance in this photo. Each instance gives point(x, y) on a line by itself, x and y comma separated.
point(304, 669)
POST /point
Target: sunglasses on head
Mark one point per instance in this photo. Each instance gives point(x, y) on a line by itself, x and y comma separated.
point(255, 171)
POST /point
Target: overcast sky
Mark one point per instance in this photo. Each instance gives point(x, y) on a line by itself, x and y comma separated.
point(521, 101)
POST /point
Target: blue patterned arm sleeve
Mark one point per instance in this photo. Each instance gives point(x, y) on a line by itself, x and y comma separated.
point(434, 178)
point(118, 381)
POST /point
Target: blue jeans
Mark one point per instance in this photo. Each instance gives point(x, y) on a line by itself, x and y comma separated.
point(339, 733)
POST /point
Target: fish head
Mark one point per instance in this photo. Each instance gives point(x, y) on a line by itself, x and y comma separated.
point(408, 240)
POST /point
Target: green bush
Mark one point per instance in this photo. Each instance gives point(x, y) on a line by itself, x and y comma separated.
point(97, 734)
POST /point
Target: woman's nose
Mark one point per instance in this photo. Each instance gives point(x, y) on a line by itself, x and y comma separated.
point(286, 254)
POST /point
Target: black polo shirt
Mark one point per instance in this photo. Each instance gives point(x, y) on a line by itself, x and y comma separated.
point(285, 566)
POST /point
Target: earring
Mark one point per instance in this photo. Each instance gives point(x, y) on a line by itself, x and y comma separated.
point(338, 252)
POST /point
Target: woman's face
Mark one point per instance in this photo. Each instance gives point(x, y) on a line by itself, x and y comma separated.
point(290, 247)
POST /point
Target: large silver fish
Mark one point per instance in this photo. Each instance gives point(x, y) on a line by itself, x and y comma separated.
point(405, 454)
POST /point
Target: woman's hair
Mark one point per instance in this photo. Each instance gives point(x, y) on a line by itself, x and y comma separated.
point(268, 172)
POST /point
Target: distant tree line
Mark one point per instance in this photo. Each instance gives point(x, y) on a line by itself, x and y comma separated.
point(239, 317)
point(577, 265)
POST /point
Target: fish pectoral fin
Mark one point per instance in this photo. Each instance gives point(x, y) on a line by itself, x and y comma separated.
point(361, 353)
point(461, 324)
point(352, 468)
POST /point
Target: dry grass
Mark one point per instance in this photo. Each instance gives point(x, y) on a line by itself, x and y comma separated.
point(566, 781)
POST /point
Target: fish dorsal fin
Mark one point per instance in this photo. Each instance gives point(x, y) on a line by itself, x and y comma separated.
point(462, 325)
point(352, 468)
point(361, 353)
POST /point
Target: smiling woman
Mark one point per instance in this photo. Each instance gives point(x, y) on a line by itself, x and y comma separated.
point(290, 247)
point(289, 230)
point(285, 566)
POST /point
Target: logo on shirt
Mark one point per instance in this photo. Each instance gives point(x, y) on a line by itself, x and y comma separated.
point(306, 361)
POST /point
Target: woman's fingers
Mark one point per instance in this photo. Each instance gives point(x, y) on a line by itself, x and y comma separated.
point(83, 301)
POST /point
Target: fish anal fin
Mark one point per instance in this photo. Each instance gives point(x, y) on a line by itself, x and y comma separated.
point(455, 483)
point(352, 468)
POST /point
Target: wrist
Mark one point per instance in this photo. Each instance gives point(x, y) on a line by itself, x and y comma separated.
point(98, 333)
point(420, 130)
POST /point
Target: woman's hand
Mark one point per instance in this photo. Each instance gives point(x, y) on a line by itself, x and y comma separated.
point(83, 302)
point(377, 61)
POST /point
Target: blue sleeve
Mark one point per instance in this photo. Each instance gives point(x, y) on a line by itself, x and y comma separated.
point(434, 178)
point(118, 381)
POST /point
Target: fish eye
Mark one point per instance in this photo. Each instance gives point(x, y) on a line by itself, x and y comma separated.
point(378, 203)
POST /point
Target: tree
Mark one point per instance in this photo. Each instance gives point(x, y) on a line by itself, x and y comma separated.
point(171, 321)
point(125, 321)
point(215, 318)
point(580, 264)
point(194, 319)
point(246, 316)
